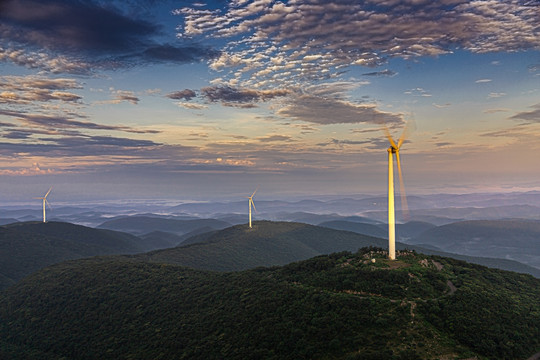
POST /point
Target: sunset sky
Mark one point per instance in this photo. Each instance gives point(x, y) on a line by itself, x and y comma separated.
point(210, 99)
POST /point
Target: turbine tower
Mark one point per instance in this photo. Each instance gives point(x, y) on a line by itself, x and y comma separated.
point(394, 149)
point(45, 201)
point(250, 204)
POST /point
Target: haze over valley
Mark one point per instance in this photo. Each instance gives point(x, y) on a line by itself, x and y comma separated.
point(269, 179)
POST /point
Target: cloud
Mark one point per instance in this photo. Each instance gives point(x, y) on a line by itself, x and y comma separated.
point(175, 54)
point(284, 43)
point(344, 142)
point(441, 106)
point(185, 94)
point(29, 89)
point(417, 92)
point(480, 81)
point(530, 116)
point(385, 72)
point(128, 96)
point(493, 111)
point(326, 111)
point(192, 106)
point(365, 131)
point(494, 95)
point(444, 144)
point(274, 138)
point(80, 36)
point(230, 96)
point(33, 170)
point(82, 146)
point(120, 96)
point(61, 122)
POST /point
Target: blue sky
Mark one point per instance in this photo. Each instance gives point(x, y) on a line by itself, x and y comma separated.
point(200, 99)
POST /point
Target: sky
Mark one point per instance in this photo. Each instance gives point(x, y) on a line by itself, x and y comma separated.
point(203, 100)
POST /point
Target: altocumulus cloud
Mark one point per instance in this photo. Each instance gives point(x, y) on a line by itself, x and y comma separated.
point(25, 90)
point(186, 94)
point(316, 39)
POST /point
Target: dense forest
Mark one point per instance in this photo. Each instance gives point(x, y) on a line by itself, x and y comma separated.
point(339, 306)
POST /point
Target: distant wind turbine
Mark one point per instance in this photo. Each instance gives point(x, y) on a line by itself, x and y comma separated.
point(45, 201)
point(394, 149)
point(250, 204)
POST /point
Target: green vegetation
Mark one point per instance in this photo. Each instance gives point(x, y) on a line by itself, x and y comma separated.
point(271, 243)
point(338, 306)
point(266, 244)
point(360, 228)
point(30, 246)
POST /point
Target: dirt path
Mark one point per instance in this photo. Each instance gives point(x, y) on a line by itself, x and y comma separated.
point(452, 287)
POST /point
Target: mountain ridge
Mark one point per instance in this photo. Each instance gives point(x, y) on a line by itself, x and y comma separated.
point(340, 306)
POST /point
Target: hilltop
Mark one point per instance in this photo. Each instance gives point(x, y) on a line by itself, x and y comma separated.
point(28, 246)
point(338, 306)
point(267, 243)
point(271, 243)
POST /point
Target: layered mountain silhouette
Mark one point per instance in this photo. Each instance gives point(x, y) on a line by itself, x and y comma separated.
point(509, 239)
point(140, 225)
point(27, 247)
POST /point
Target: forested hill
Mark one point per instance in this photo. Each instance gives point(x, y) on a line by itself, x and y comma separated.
point(267, 243)
point(278, 243)
point(338, 306)
point(28, 246)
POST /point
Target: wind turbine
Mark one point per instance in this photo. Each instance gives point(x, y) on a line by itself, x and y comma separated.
point(45, 201)
point(251, 203)
point(394, 149)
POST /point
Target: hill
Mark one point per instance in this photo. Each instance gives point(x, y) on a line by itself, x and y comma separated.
point(360, 228)
point(339, 306)
point(27, 247)
point(266, 244)
point(6, 221)
point(161, 239)
point(403, 231)
point(139, 225)
point(277, 243)
point(509, 239)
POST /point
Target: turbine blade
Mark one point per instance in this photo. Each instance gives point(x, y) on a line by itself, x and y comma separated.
point(387, 132)
point(49, 205)
point(252, 195)
point(48, 192)
point(410, 126)
point(403, 195)
point(254, 208)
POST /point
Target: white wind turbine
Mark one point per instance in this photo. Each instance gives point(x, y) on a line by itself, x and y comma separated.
point(250, 204)
point(394, 149)
point(45, 201)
